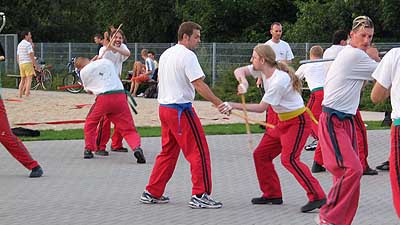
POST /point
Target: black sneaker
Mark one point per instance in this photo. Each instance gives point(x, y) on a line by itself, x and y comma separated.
point(36, 172)
point(312, 146)
point(313, 205)
point(270, 201)
point(87, 154)
point(316, 168)
point(122, 149)
point(101, 153)
point(369, 171)
point(139, 155)
point(147, 198)
point(204, 202)
point(383, 166)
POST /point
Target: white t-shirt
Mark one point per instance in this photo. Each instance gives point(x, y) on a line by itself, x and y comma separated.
point(282, 50)
point(345, 78)
point(387, 74)
point(23, 50)
point(177, 68)
point(99, 76)
point(279, 92)
point(115, 57)
point(331, 53)
point(314, 73)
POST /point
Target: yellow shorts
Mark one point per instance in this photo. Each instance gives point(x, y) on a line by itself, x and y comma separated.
point(26, 70)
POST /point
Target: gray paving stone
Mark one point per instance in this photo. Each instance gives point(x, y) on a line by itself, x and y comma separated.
point(106, 190)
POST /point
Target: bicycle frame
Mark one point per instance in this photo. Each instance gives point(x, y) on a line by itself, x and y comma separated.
point(4, 21)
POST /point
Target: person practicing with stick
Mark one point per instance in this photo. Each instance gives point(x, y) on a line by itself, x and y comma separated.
point(180, 75)
point(282, 92)
point(314, 74)
point(100, 78)
point(387, 76)
point(336, 129)
point(15, 146)
point(117, 52)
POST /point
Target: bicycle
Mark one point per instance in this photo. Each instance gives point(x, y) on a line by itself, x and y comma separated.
point(72, 79)
point(43, 77)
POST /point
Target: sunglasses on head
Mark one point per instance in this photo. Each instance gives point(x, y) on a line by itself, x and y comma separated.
point(362, 21)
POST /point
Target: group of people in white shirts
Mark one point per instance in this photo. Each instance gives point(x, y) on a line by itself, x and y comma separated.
point(180, 75)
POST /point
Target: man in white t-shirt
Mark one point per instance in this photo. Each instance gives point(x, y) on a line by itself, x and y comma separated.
point(387, 76)
point(117, 53)
point(100, 78)
point(180, 75)
point(339, 41)
point(342, 89)
point(27, 63)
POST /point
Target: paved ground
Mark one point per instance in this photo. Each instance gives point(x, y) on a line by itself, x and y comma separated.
point(106, 190)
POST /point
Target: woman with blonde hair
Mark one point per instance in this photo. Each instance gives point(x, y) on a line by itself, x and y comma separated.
point(138, 69)
point(282, 93)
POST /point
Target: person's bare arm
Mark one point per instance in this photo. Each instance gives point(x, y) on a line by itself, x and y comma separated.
point(120, 50)
point(258, 108)
point(205, 91)
point(379, 93)
point(35, 65)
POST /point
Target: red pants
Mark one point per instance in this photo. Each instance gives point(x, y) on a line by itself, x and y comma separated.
point(12, 143)
point(194, 146)
point(288, 139)
point(103, 135)
point(341, 160)
point(315, 105)
point(394, 165)
point(115, 107)
point(362, 143)
point(272, 116)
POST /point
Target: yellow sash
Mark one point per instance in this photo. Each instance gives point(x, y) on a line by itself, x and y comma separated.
point(290, 115)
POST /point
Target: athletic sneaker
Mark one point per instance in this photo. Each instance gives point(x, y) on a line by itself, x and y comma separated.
point(101, 153)
point(383, 166)
point(87, 154)
point(139, 155)
point(312, 146)
point(204, 202)
point(370, 171)
point(122, 149)
point(36, 172)
point(147, 198)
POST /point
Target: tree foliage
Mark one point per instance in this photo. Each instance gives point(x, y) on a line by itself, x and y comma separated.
point(222, 20)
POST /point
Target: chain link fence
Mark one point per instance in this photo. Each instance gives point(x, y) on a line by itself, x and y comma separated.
point(215, 58)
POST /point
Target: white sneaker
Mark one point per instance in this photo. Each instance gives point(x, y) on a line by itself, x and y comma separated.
point(204, 202)
point(140, 95)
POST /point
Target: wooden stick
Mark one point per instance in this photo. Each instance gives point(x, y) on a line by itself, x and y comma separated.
point(111, 40)
point(69, 86)
point(246, 120)
point(252, 120)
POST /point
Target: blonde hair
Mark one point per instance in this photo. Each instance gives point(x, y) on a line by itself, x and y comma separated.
point(317, 51)
point(137, 68)
point(268, 54)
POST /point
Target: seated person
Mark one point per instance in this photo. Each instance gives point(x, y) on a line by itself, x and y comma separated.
point(138, 76)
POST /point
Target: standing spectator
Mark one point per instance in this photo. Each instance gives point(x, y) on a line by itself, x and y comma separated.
point(98, 39)
point(180, 76)
point(342, 88)
point(117, 53)
point(27, 63)
point(99, 78)
point(387, 76)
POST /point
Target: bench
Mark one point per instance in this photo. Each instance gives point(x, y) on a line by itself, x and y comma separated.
point(17, 78)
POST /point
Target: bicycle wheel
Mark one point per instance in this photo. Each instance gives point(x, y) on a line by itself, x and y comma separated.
point(46, 79)
point(35, 82)
point(70, 80)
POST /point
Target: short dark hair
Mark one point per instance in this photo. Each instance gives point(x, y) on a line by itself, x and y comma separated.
point(152, 52)
point(275, 23)
point(338, 36)
point(99, 36)
point(24, 34)
point(187, 28)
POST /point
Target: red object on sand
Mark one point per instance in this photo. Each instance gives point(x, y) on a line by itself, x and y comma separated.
point(51, 122)
point(69, 86)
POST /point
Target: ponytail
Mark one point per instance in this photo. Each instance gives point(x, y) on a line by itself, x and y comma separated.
point(296, 82)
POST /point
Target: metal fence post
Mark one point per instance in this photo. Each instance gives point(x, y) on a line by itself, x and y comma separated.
point(69, 51)
point(15, 52)
point(136, 51)
point(214, 57)
point(6, 53)
point(307, 46)
point(41, 50)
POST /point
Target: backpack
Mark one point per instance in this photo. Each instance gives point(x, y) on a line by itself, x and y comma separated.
point(24, 132)
point(151, 91)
